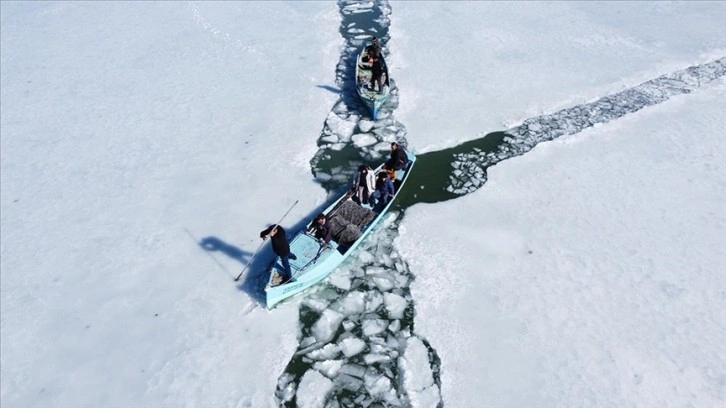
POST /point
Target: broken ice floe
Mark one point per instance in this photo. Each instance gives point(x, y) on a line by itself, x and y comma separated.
point(362, 341)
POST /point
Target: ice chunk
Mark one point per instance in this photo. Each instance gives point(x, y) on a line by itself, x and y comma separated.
point(395, 326)
point(348, 325)
point(326, 326)
point(340, 281)
point(374, 326)
point(365, 125)
point(347, 382)
point(354, 370)
point(341, 127)
point(328, 352)
point(307, 341)
point(329, 368)
point(316, 303)
point(383, 283)
point(379, 386)
point(352, 346)
point(365, 257)
point(375, 299)
point(313, 389)
point(285, 381)
point(353, 303)
point(376, 358)
point(395, 305)
point(418, 379)
point(364, 139)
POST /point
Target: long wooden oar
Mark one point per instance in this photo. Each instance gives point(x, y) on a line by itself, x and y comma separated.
point(263, 242)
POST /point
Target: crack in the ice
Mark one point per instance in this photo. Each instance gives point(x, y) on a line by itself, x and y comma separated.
point(469, 168)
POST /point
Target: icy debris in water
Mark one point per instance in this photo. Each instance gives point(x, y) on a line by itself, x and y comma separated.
point(394, 326)
point(374, 326)
point(286, 383)
point(353, 303)
point(382, 146)
point(354, 370)
point(374, 270)
point(323, 176)
point(328, 352)
point(337, 146)
point(376, 358)
point(365, 125)
point(356, 272)
point(418, 380)
point(330, 139)
point(395, 305)
point(390, 218)
point(326, 326)
point(313, 389)
point(340, 281)
point(401, 279)
point(316, 303)
point(356, 31)
point(340, 126)
point(379, 386)
point(348, 325)
point(328, 368)
point(364, 140)
point(386, 259)
point(374, 301)
point(347, 382)
point(352, 346)
point(307, 341)
point(365, 257)
point(383, 283)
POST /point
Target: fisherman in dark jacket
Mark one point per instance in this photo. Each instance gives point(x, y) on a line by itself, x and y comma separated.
point(399, 158)
point(322, 229)
point(280, 247)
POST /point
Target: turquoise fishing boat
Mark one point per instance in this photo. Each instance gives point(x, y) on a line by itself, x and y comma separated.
point(373, 99)
point(350, 224)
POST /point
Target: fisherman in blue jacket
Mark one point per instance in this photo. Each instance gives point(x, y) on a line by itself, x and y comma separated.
point(384, 191)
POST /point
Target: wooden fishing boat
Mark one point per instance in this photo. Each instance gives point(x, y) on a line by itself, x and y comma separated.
point(350, 224)
point(373, 99)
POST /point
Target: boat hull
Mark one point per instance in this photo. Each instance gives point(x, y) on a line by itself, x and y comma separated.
point(315, 262)
point(374, 100)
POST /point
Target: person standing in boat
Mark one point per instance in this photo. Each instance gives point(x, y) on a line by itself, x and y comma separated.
point(399, 157)
point(377, 69)
point(384, 191)
point(374, 48)
point(280, 247)
point(364, 183)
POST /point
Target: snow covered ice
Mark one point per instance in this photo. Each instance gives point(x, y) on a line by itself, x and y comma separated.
point(145, 144)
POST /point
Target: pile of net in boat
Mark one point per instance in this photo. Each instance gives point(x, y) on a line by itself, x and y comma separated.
point(348, 220)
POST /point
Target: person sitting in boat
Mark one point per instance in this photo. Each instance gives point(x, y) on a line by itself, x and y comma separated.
point(399, 158)
point(281, 248)
point(322, 229)
point(363, 184)
point(384, 191)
